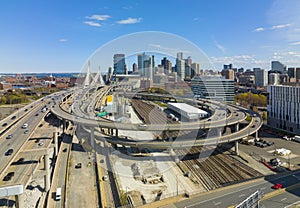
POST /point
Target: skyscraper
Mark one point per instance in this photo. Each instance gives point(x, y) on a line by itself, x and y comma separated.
point(278, 66)
point(284, 107)
point(188, 67)
point(119, 64)
point(167, 65)
point(292, 72)
point(195, 69)
point(261, 77)
point(213, 87)
point(148, 67)
point(141, 64)
point(135, 68)
point(228, 74)
point(273, 79)
point(180, 66)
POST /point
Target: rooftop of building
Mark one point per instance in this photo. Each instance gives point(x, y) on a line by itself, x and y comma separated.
point(187, 108)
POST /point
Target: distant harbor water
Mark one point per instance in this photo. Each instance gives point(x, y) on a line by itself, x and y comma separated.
point(41, 75)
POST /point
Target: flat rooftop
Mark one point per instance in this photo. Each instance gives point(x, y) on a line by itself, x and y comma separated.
point(188, 108)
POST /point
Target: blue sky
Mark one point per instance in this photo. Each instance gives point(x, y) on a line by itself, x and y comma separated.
point(59, 36)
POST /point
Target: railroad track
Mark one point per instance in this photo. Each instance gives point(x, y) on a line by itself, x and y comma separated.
point(217, 170)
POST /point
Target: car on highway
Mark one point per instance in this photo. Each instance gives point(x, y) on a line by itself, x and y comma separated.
point(25, 109)
point(9, 136)
point(25, 125)
point(26, 132)
point(41, 143)
point(36, 114)
point(143, 125)
point(277, 186)
point(269, 143)
point(78, 165)
point(58, 194)
point(12, 118)
point(65, 150)
point(9, 152)
point(5, 124)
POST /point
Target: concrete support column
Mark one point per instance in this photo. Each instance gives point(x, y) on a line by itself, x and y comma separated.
point(237, 127)
point(170, 136)
point(55, 138)
point(64, 125)
point(236, 147)
point(219, 130)
point(20, 201)
point(47, 179)
point(163, 135)
point(92, 137)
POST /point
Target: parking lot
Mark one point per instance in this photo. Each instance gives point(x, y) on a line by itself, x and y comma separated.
point(259, 151)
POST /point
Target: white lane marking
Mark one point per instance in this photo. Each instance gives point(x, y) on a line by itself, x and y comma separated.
point(298, 178)
point(241, 195)
point(297, 202)
point(217, 203)
point(283, 199)
point(246, 188)
point(263, 188)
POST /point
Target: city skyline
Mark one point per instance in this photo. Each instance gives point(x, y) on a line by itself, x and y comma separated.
point(51, 37)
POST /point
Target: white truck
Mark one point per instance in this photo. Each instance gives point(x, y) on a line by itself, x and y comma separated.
point(58, 194)
point(296, 139)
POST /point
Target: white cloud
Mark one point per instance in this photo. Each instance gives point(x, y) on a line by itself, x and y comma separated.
point(130, 20)
point(98, 17)
point(275, 27)
point(295, 43)
point(91, 23)
point(168, 49)
point(219, 46)
point(282, 12)
point(259, 29)
point(63, 40)
point(127, 7)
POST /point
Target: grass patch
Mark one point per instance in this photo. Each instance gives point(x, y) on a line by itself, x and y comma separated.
point(161, 104)
point(249, 118)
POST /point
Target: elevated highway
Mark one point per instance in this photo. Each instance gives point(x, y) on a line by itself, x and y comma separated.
point(222, 117)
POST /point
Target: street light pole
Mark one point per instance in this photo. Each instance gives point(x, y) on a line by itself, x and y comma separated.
point(177, 184)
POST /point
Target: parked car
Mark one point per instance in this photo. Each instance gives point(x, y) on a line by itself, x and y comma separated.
point(9, 152)
point(277, 186)
point(9, 136)
point(12, 118)
point(269, 143)
point(78, 165)
point(26, 132)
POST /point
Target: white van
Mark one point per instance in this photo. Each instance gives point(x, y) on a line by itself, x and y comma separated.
point(58, 194)
point(25, 125)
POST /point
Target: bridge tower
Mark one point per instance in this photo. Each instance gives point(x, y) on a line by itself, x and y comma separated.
point(98, 80)
point(88, 77)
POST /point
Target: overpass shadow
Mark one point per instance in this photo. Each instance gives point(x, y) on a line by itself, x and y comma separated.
point(7, 203)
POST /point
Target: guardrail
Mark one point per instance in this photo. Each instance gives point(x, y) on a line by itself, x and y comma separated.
point(16, 153)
